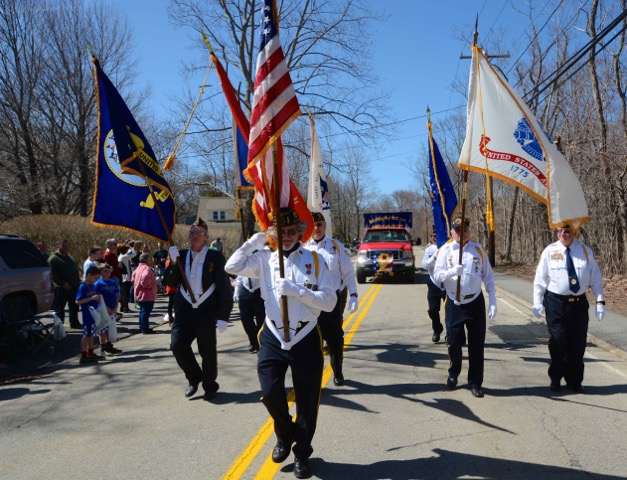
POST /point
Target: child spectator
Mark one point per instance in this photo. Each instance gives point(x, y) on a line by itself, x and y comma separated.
point(108, 288)
point(86, 297)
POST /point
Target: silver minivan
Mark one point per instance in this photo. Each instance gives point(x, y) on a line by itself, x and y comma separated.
point(24, 274)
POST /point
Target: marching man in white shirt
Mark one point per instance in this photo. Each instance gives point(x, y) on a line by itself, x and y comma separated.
point(469, 311)
point(309, 289)
point(566, 270)
point(343, 275)
point(435, 291)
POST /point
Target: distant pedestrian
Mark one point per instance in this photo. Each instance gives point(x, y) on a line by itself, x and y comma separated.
point(66, 278)
point(94, 259)
point(436, 293)
point(87, 296)
point(145, 286)
point(469, 313)
point(124, 260)
point(567, 269)
point(43, 249)
point(217, 244)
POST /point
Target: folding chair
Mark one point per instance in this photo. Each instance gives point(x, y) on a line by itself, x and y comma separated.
point(28, 330)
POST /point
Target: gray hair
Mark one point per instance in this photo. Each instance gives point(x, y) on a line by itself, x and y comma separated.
point(144, 257)
point(109, 241)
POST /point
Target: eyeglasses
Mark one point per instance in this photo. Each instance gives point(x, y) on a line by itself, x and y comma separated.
point(196, 232)
point(289, 231)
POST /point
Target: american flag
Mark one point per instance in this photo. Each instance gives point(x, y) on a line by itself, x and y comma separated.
point(274, 102)
point(274, 107)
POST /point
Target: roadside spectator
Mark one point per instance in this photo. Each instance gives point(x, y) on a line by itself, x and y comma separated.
point(66, 281)
point(170, 291)
point(94, 259)
point(43, 248)
point(86, 297)
point(160, 256)
point(217, 244)
point(111, 257)
point(145, 285)
point(124, 260)
point(110, 292)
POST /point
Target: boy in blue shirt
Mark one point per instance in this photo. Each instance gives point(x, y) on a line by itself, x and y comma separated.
point(108, 288)
point(87, 296)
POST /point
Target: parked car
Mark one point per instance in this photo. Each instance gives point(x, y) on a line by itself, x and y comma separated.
point(24, 274)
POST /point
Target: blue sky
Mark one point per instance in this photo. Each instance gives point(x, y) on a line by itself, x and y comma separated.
point(416, 57)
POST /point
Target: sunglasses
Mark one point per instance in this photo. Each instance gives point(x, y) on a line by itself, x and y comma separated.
point(196, 232)
point(319, 224)
point(289, 231)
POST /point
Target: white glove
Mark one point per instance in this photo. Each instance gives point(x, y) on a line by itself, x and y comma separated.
point(221, 325)
point(174, 253)
point(352, 305)
point(257, 241)
point(492, 311)
point(538, 311)
point(600, 312)
point(289, 288)
point(455, 271)
point(235, 297)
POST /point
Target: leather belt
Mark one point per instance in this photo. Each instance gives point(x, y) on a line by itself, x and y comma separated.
point(568, 298)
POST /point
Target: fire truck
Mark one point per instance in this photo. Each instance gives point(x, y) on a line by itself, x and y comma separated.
point(386, 247)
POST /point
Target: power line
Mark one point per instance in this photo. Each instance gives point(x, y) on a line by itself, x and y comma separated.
point(572, 61)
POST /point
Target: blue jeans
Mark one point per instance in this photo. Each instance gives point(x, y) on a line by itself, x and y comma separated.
point(145, 308)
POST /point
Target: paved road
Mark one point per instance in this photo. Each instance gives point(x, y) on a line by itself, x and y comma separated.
point(395, 418)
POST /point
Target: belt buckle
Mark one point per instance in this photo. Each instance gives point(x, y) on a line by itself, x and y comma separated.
point(572, 299)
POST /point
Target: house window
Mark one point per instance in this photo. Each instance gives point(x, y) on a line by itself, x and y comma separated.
point(222, 215)
point(217, 216)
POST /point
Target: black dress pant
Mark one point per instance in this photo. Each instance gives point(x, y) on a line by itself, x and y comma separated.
point(63, 297)
point(252, 311)
point(332, 332)
point(470, 316)
point(435, 296)
point(196, 324)
point(305, 361)
point(567, 322)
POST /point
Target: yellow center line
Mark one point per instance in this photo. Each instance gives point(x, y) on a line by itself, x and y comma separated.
point(269, 469)
point(241, 464)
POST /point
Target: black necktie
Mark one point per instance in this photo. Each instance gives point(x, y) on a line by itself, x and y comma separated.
point(250, 285)
point(573, 281)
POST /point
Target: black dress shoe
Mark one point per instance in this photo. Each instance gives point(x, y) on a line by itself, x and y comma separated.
point(338, 379)
point(435, 338)
point(555, 386)
point(280, 452)
point(191, 389)
point(451, 382)
point(477, 392)
point(302, 469)
point(253, 349)
point(577, 389)
point(209, 396)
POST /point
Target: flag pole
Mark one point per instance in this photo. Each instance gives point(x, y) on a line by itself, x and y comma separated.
point(165, 228)
point(464, 190)
point(279, 235)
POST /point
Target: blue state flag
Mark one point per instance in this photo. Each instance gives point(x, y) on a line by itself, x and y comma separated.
point(125, 166)
point(241, 159)
point(443, 198)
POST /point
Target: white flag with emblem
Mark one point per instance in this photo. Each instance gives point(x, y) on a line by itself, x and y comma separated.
point(318, 191)
point(505, 140)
